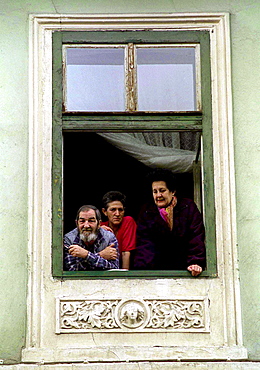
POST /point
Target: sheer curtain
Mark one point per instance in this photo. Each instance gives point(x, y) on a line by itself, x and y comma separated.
point(172, 150)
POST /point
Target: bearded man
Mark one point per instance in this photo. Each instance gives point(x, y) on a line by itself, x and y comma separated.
point(88, 246)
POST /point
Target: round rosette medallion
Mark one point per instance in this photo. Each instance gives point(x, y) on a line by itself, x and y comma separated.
point(131, 314)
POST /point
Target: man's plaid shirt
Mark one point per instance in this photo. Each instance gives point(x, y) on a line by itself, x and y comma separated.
point(93, 261)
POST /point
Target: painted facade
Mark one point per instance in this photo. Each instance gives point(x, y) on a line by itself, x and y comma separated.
point(29, 296)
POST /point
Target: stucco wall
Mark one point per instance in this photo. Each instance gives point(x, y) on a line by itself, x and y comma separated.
point(245, 30)
point(246, 82)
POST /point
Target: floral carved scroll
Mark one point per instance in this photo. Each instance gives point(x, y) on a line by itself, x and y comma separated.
point(131, 315)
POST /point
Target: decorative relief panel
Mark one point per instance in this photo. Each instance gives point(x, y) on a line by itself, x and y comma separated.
point(148, 315)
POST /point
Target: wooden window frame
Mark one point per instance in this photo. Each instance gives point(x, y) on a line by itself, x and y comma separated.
point(198, 121)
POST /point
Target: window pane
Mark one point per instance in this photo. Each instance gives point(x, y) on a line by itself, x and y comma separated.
point(95, 79)
point(166, 79)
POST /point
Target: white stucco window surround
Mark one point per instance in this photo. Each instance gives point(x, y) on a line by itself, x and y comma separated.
point(130, 319)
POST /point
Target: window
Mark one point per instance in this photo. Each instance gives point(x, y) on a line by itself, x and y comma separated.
point(131, 77)
point(177, 66)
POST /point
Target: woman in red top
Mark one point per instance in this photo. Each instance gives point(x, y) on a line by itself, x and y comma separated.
point(124, 227)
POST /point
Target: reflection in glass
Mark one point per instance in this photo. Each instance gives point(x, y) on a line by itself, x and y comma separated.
point(166, 79)
point(95, 79)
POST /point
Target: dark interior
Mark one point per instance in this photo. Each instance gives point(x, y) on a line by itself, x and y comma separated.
point(92, 167)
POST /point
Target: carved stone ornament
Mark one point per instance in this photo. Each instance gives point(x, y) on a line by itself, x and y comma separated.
point(148, 315)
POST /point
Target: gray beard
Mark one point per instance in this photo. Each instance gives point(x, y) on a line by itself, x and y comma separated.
point(88, 238)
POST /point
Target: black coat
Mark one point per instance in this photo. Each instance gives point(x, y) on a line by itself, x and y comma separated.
point(159, 248)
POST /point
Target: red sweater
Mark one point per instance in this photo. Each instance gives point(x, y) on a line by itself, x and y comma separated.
point(126, 234)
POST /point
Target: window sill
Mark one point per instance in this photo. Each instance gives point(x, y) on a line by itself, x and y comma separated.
point(132, 274)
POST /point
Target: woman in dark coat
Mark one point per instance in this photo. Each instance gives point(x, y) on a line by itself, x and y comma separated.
point(170, 232)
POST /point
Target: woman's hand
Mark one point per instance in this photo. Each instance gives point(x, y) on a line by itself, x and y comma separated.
point(195, 270)
point(107, 228)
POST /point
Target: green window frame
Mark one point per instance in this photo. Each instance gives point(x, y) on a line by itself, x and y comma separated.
point(197, 121)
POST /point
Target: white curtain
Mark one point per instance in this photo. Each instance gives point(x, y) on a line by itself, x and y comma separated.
point(162, 150)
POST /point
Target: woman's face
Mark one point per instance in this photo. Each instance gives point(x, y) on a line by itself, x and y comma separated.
point(115, 213)
point(161, 194)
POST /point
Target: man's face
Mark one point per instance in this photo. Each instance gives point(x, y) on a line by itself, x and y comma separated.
point(88, 225)
point(114, 212)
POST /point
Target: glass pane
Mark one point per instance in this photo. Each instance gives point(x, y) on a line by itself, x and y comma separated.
point(166, 79)
point(95, 79)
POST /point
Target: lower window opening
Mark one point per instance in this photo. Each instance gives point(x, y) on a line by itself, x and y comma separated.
point(93, 166)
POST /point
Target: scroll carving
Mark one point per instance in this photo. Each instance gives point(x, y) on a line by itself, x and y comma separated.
point(131, 315)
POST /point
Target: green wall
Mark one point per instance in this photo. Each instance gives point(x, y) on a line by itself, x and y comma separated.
point(245, 44)
point(245, 31)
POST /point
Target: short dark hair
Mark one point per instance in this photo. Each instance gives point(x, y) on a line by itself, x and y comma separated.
point(88, 208)
point(113, 196)
point(160, 174)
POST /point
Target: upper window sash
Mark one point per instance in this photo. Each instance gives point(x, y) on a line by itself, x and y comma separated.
point(131, 77)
